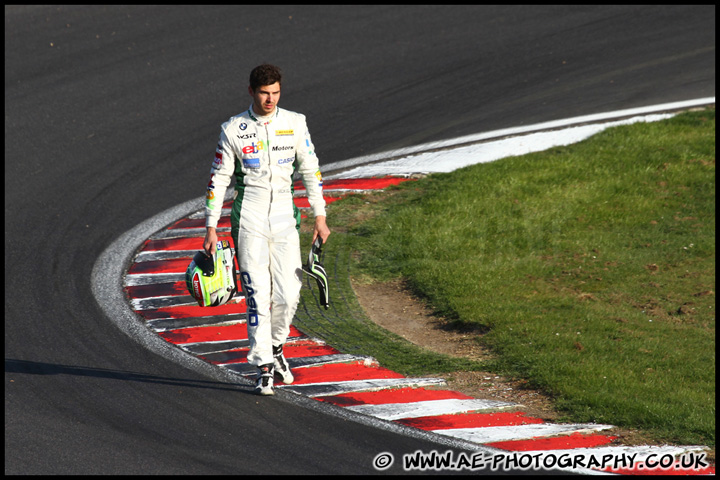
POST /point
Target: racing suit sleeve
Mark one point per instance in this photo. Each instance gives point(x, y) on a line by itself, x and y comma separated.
point(308, 166)
point(221, 175)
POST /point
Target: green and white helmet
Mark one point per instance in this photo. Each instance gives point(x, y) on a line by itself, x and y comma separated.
point(211, 279)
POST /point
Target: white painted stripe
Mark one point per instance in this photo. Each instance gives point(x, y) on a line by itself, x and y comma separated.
point(160, 325)
point(305, 362)
point(220, 323)
point(203, 348)
point(162, 302)
point(153, 278)
point(171, 301)
point(309, 341)
point(184, 232)
point(449, 160)
point(496, 134)
point(151, 255)
point(518, 432)
point(428, 408)
point(337, 388)
point(327, 191)
point(190, 345)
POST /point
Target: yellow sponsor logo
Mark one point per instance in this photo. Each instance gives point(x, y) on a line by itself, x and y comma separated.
point(284, 132)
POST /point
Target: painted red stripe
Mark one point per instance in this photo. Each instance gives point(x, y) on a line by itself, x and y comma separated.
point(563, 442)
point(470, 420)
point(213, 333)
point(157, 290)
point(298, 351)
point(189, 311)
point(399, 395)
point(239, 355)
point(192, 243)
point(357, 183)
point(224, 222)
point(237, 331)
point(338, 372)
point(303, 202)
point(186, 243)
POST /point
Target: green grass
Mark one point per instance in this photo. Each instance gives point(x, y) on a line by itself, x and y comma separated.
point(591, 267)
point(347, 328)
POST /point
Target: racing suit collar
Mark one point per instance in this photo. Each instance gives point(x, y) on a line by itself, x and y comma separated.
point(260, 119)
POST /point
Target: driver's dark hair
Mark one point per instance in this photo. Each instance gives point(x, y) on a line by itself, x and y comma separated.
point(264, 74)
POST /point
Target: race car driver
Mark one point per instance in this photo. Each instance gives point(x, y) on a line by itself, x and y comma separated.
point(263, 147)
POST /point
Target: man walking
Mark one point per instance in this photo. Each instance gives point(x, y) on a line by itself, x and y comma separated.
point(263, 147)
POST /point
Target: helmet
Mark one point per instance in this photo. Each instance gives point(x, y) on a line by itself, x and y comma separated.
point(211, 279)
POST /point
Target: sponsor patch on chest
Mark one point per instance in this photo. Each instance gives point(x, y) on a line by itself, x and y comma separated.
point(251, 162)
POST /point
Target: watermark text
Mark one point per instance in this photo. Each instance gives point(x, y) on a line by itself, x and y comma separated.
point(455, 461)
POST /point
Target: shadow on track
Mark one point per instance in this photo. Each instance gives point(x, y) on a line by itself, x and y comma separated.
point(43, 368)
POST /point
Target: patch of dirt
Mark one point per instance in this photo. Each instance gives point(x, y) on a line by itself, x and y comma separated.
point(392, 306)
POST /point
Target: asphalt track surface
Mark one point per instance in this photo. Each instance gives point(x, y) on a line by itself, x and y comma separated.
point(112, 115)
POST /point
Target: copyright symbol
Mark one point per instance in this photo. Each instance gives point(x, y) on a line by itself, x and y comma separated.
point(383, 461)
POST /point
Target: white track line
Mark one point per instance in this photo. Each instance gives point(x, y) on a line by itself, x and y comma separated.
point(336, 388)
point(556, 125)
point(484, 435)
point(428, 408)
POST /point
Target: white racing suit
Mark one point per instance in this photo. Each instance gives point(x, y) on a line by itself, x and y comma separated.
point(263, 153)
